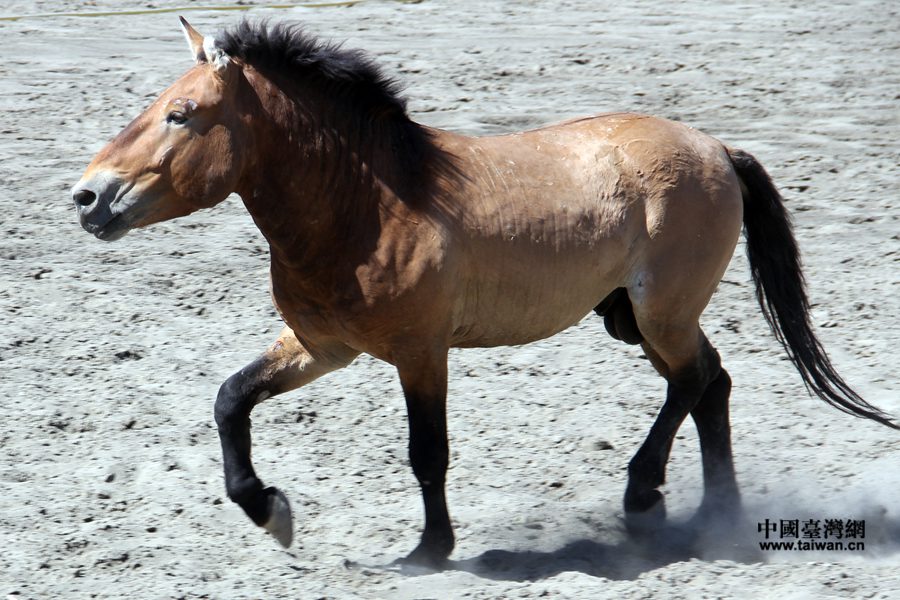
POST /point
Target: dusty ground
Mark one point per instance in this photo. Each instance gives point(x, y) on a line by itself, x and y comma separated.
point(111, 355)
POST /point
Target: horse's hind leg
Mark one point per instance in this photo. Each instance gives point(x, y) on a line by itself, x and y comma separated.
point(285, 366)
point(710, 415)
point(689, 363)
point(720, 490)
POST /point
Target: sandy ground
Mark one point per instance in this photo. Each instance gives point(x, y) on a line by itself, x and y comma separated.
point(111, 355)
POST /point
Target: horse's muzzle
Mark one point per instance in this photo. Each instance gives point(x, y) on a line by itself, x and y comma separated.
point(96, 198)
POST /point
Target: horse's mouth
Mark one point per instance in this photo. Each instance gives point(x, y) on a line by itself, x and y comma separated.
point(112, 230)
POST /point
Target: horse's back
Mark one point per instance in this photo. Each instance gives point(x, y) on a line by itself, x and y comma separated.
point(554, 219)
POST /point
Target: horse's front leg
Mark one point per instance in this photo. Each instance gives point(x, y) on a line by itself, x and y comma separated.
point(285, 366)
point(424, 381)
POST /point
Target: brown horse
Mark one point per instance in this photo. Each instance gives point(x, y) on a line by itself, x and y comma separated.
point(401, 241)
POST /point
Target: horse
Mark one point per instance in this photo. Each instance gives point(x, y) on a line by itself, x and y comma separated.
point(398, 240)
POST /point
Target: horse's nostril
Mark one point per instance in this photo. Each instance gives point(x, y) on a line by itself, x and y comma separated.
point(84, 197)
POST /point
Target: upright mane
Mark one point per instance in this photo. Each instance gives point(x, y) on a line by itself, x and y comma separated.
point(370, 101)
point(289, 50)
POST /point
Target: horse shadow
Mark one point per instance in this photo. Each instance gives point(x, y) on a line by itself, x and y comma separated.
point(618, 554)
point(625, 555)
point(624, 558)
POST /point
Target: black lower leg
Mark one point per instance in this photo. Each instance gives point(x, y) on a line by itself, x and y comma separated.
point(235, 401)
point(647, 470)
point(429, 456)
point(711, 418)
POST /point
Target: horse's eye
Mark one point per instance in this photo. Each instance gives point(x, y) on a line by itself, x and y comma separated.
point(176, 117)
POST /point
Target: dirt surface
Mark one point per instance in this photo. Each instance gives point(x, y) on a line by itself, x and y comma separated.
point(111, 354)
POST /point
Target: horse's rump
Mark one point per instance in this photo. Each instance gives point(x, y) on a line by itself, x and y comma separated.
point(554, 219)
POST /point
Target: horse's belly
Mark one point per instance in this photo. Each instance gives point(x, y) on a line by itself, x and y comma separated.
point(501, 331)
point(522, 301)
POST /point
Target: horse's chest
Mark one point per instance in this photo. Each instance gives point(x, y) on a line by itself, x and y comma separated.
point(366, 312)
point(305, 306)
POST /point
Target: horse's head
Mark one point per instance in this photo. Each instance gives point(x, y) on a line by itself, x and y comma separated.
point(181, 154)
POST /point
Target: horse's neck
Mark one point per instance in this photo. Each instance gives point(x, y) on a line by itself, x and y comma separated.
point(321, 186)
point(305, 219)
point(314, 205)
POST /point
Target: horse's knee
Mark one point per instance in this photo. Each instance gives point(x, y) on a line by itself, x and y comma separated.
point(229, 401)
point(236, 398)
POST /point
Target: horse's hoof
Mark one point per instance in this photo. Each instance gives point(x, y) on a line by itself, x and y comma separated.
point(644, 513)
point(724, 506)
point(431, 553)
point(280, 523)
point(422, 558)
point(643, 501)
point(718, 511)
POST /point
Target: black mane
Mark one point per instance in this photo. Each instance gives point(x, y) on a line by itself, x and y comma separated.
point(369, 100)
point(287, 49)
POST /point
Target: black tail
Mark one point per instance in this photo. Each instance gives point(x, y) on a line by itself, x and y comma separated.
point(781, 289)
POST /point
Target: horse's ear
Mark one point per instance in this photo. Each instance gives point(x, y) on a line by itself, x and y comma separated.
point(203, 49)
point(194, 40)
